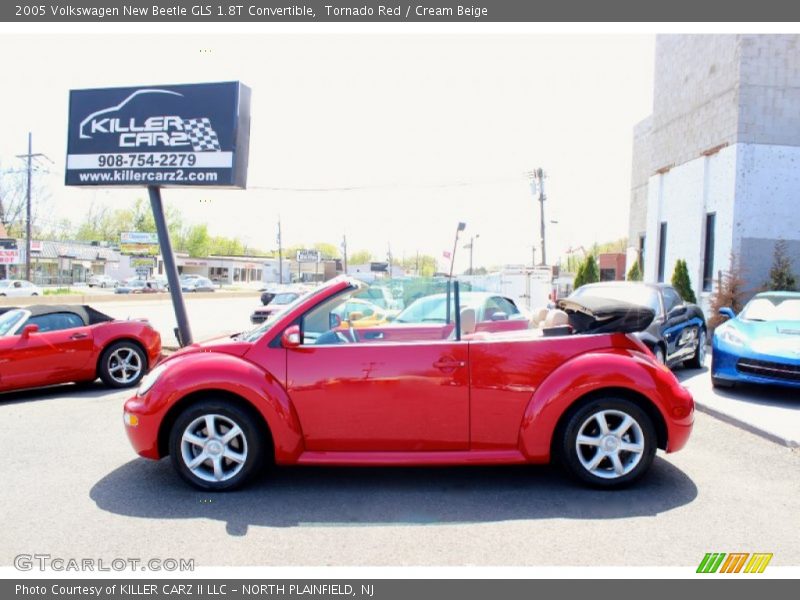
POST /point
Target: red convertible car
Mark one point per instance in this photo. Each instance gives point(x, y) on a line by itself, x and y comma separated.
point(299, 391)
point(50, 344)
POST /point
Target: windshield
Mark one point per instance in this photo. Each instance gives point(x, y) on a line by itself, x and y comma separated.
point(635, 294)
point(256, 334)
point(9, 321)
point(285, 298)
point(4, 283)
point(772, 309)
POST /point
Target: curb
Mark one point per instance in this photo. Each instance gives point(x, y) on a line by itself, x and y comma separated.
point(749, 427)
point(95, 298)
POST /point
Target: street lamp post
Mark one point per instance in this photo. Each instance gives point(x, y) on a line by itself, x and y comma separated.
point(461, 227)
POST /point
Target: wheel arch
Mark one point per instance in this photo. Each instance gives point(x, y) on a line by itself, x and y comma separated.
point(213, 394)
point(581, 380)
point(637, 398)
point(107, 344)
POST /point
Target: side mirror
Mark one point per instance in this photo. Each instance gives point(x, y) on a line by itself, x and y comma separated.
point(677, 311)
point(291, 337)
point(727, 312)
point(499, 316)
point(28, 330)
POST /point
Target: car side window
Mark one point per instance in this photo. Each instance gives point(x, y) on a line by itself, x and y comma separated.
point(17, 284)
point(55, 322)
point(671, 299)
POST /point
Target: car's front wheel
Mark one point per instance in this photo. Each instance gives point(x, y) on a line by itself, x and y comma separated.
point(122, 365)
point(608, 442)
point(697, 361)
point(215, 445)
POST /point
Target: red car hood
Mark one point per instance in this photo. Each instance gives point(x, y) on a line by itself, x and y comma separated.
point(225, 344)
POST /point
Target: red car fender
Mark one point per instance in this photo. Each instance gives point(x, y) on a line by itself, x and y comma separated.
point(576, 378)
point(209, 371)
point(105, 334)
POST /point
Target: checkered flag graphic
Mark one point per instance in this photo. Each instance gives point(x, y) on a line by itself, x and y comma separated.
point(202, 135)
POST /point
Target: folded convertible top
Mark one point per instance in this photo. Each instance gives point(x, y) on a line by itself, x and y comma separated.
point(592, 314)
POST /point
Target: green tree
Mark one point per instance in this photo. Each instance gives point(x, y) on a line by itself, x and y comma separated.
point(359, 257)
point(198, 242)
point(682, 283)
point(587, 272)
point(327, 250)
point(634, 273)
point(781, 276)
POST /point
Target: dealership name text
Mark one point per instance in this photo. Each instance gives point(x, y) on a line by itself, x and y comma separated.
point(191, 589)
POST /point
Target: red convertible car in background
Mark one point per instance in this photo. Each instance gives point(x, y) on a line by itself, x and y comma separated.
point(50, 344)
point(299, 391)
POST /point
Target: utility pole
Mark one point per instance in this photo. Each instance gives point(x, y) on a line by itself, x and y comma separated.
point(29, 156)
point(537, 184)
point(280, 254)
point(471, 245)
point(389, 258)
point(344, 252)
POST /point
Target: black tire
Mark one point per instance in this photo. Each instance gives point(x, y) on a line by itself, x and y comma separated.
point(584, 420)
point(696, 362)
point(250, 443)
point(111, 369)
point(34, 294)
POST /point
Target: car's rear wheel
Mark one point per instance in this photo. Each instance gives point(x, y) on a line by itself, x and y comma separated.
point(122, 365)
point(696, 362)
point(608, 442)
point(215, 445)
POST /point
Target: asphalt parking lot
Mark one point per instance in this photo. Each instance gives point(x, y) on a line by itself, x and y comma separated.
point(73, 488)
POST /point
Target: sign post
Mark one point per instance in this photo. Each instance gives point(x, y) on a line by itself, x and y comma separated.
point(184, 331)
point(160, 136)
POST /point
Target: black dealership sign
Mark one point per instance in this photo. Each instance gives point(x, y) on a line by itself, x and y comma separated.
point(159, 135)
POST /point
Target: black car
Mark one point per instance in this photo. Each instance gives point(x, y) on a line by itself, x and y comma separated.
point(677, 333)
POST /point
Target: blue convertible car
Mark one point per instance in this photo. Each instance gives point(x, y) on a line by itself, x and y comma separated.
point(761, 344)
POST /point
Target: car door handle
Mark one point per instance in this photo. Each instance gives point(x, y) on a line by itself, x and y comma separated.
point(78, 336)
point(449, 363)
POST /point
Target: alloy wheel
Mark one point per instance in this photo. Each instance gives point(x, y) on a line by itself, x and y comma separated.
point(214, 448)
point(124, 365)
point(610, 444)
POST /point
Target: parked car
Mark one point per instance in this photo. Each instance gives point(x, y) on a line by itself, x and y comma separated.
point(102, 281)
point(18, 287)
point(600, 404)
point(677, 333)
point(198, 284)
point(759, 345)
point(141, 286)
point(50, 344)
point(279, 302)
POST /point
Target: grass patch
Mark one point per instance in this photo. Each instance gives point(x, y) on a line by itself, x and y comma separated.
point(59, 292)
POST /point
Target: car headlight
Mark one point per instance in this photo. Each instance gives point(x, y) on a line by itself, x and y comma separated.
point(729, 335)
point(149, 380)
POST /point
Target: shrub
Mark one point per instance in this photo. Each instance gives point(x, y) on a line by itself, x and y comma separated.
point(682, 283)
point(780, 275)
point(729, 292)
point(634, 273)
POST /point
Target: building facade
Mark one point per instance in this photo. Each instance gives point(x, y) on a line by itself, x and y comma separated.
point(716, 167)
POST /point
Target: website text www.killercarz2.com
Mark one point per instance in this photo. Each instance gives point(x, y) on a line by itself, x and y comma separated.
point(134, 176)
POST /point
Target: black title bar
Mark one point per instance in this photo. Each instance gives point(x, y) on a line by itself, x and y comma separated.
point(431, 11)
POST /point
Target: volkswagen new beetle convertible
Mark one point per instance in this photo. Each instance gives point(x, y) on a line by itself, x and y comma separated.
point(305, 389)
